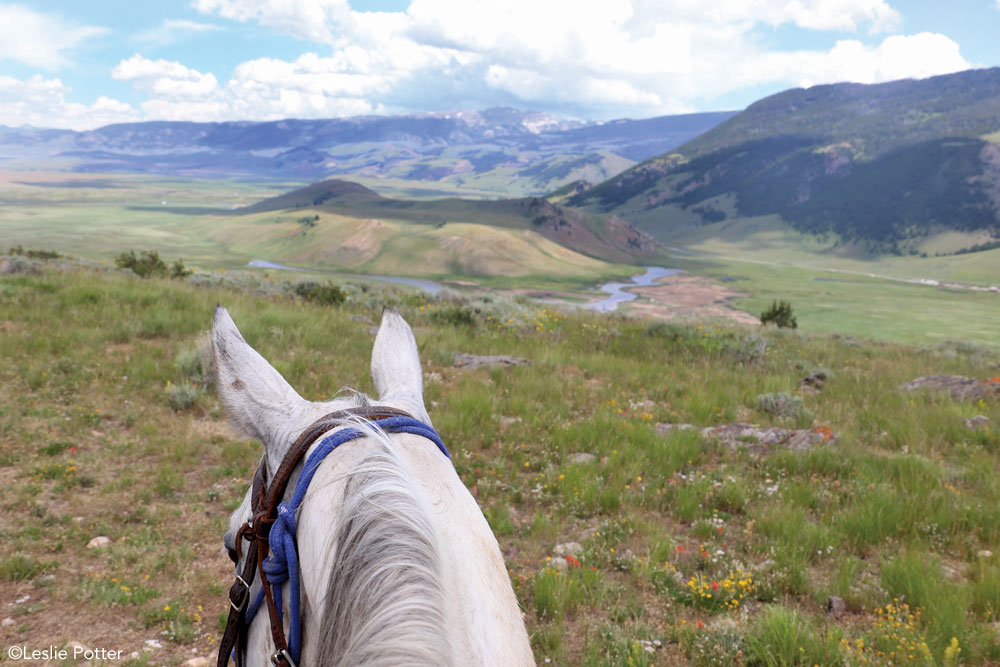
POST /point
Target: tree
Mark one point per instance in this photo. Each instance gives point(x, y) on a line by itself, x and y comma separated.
point(780, 314)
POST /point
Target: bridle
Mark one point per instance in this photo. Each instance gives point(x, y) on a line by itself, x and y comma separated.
point(265, 499)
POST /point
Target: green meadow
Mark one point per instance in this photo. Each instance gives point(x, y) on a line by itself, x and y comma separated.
point(689, 551)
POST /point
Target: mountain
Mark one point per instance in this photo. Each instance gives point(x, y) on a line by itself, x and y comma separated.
point(499, 150)
point(884, 165)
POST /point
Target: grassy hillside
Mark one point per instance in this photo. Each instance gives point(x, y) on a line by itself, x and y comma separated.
point(610, 239)
point(691, 552)
point(882, 165)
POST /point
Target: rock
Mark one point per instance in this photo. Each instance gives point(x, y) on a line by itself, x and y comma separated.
point(197, 662)
point(759, 440)
point(16, 264)
point(984, 554)
point(960, 388)
point(507, 421)
point(582, 457)
point(558, 564)
point(7, 622)
point(473, 361)
point(99, 542)
point(150, 644)
point(812, 383)
point(835, 606)
point(667, 429)
point(979, 421)
point(568, 549)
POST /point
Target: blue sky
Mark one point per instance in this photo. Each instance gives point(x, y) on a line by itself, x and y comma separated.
point(85, 64)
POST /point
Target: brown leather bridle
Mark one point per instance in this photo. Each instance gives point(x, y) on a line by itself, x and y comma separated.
point(264, 501)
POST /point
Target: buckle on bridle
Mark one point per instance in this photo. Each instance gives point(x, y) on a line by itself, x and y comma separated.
point(245, 597)
point(282, 654)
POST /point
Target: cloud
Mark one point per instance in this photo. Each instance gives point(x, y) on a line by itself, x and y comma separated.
point(639, 59)
point(171, 30)
point(41, 102)
point(165, 79)
point(40, 40)
point(620, 57)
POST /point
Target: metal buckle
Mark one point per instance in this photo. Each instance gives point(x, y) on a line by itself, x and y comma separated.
point(282, 654)
point(246, 595)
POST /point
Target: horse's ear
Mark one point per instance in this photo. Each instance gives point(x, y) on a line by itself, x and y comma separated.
point(396, 365)
point(256, 397)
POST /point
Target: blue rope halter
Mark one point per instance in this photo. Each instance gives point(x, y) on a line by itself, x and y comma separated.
point(283, 563)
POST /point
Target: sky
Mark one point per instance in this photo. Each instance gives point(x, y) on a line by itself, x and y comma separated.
point(81, 65)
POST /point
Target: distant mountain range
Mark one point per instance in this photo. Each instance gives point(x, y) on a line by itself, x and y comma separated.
point(885, 165)
point(499, 150)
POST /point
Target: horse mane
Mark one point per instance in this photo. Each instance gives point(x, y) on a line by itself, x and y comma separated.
point(385, 598)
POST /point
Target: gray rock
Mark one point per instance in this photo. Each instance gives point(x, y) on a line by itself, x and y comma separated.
point(99, 542)
point(7, 622)
point(473, 361)
point(16, 264)
point(197, 662)
point(757, 439)
point(835, 606)
point(558, 563)
point(984, 554)
point(581, 457)
point(960, 388)
point(979, 421)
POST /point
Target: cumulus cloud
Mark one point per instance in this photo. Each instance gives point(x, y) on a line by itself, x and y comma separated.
point(620, 57)
point(40, 40)
point(42, 102)
point(165, 79)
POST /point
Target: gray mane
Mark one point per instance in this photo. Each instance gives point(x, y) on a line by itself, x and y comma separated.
point(385, 601)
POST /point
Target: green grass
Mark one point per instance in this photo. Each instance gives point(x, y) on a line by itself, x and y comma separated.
point(903, 504)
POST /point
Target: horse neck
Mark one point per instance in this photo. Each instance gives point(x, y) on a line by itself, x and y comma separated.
point(410, 570)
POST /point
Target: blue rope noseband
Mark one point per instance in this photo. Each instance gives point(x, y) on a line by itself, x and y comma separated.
point(283, 562)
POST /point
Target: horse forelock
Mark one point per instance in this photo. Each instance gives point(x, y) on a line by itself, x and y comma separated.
point(385, 601)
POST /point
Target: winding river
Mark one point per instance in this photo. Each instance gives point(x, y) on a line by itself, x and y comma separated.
point(616, 291)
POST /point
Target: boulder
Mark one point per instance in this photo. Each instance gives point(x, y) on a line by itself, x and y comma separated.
point(760, 440)
point(473, 361)
point(960, 388)
point(99, 542)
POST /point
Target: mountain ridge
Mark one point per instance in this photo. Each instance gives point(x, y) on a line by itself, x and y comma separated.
point(882, 164)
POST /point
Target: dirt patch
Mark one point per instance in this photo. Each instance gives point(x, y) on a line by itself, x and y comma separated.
point(689, 296)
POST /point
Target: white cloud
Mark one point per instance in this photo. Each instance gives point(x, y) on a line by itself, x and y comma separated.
point(638, 58)
point(619, 57)
point(170, 30)
point(165, 79)
point(41, 102)
point(40, 40)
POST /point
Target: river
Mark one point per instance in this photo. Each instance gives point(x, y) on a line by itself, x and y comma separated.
point(616, 291)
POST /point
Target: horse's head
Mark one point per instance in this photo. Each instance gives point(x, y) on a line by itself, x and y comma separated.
point(262, 404)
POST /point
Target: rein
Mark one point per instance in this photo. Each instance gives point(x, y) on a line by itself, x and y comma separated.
point(274, 522)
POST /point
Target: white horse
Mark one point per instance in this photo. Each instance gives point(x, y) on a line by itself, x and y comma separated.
point(398, 564)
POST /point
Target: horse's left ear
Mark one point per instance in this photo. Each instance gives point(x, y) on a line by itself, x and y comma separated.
point(256, 397)
point(396, 365)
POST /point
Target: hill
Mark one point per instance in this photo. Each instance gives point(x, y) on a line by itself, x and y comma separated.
point(444, 224)
point(885, 165)
point(498, 150)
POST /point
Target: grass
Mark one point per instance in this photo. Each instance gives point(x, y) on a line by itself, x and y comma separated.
point(902, 508)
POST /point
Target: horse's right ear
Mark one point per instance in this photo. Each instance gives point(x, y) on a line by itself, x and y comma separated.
point(256, 397)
